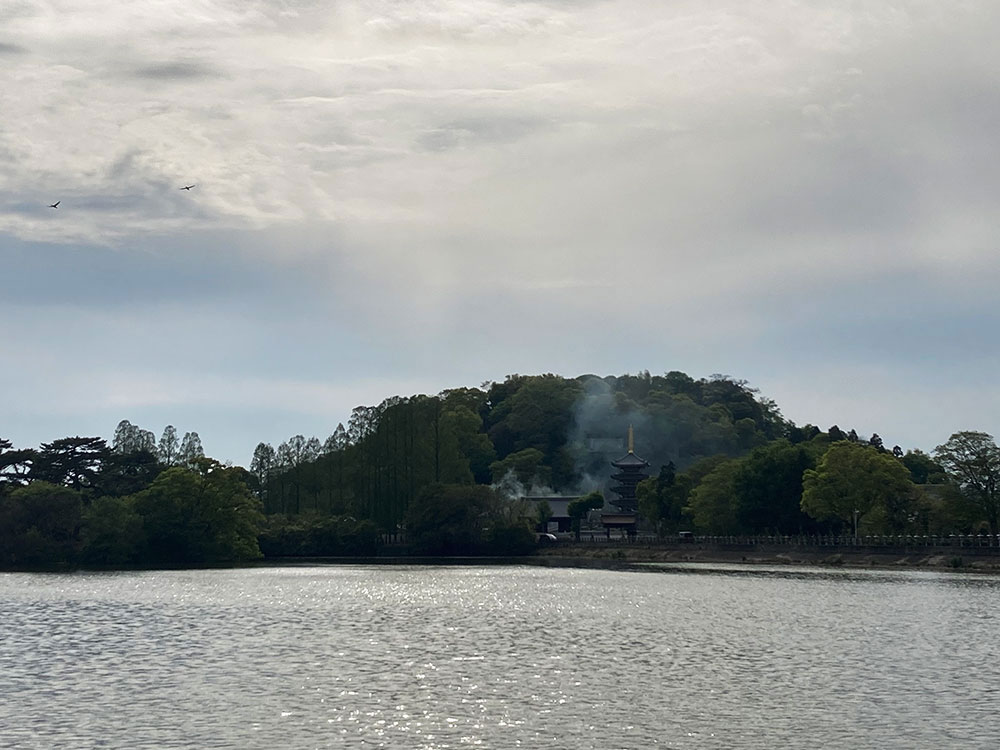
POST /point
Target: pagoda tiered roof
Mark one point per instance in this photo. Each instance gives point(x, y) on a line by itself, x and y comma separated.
point(630, 461)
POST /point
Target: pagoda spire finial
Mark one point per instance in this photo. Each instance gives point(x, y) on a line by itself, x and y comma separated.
point(631, 440)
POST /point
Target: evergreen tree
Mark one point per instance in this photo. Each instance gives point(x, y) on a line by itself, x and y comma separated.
point(169, 450)
point(190, 450)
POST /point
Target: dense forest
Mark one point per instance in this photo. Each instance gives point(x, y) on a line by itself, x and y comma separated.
point(447, 471)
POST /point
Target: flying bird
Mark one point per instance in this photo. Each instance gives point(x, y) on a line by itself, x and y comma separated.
point(55, 205)
point(188, 187)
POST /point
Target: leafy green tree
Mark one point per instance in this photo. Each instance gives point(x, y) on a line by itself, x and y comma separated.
point(261, 466)
point(948, 510)
point(508, 528)
point(662, 499)
point(972, 459)
point(126, 473)
point(112, 532)
point(802, 434)
point(923, 469)
point(451, 519)
point(472, 446)
point(543, 514)
point(711, 502)
point(200, 516)
point(170, 512)
point(682, 384)
point(449, 427)
point(855, 482)
point(39, 525)
point(682, 431)
point(579, 508)
point(748, 434)
point(526, 466)
point(537, 414)
point(836, 434)
point(509, 539)
point(318, 536)
point(743, 402)
point(767, 488)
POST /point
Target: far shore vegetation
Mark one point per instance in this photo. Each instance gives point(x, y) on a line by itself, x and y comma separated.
point(445, 475)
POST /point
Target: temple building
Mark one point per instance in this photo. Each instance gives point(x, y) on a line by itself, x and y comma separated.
point(558, 506)
point(631, 471)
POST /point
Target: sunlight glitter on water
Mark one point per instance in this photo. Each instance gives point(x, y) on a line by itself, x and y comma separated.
point(441, 657)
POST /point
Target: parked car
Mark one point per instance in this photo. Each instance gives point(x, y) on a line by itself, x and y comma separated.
point(546, 538)
point(685, 536)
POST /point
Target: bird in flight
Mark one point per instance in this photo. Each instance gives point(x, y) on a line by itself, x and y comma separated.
point(188, 187)
point(55, 205)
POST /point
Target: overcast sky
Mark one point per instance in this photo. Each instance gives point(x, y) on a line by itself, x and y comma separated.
point(402, 196)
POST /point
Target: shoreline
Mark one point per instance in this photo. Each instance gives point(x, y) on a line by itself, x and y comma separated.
point(907, 559)
point(615, 557)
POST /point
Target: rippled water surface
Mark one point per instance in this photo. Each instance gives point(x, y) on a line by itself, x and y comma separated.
point(500, 657)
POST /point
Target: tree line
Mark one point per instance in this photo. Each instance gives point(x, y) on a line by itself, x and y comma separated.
point(729, 461)
point(832, 483)
point(447, 469)
point(136, 502)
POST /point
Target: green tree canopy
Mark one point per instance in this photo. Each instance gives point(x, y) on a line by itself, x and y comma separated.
point(39, 525)
point(711, 503)
point(472, 446)
point(200, 516)
point(452, 519)
point(73, 461)
point(662, 499)
point(972, 459)
point(535, 412)
point(923, 469)
point(767, 488)
point(126, 473)
point(112, 532)
point(526, 466)
point(855, 478)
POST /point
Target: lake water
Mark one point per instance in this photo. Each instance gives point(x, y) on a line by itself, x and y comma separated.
point(500, 657)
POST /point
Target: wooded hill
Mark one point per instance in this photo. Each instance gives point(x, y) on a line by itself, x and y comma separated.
point(723, 460)
point(536, 431)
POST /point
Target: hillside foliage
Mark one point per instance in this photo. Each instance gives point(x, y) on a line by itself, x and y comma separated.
point(448, 468)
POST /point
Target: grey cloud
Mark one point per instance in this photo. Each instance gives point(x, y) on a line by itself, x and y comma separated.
point(12, 49)
point(124, 166)
point(722, 187)
point(175, 71)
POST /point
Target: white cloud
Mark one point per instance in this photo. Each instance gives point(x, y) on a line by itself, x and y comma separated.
point(701, 174)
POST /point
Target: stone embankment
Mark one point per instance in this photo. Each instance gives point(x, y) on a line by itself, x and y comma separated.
point(985, 559)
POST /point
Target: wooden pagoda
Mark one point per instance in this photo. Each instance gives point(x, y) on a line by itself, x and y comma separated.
point(631, 471)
